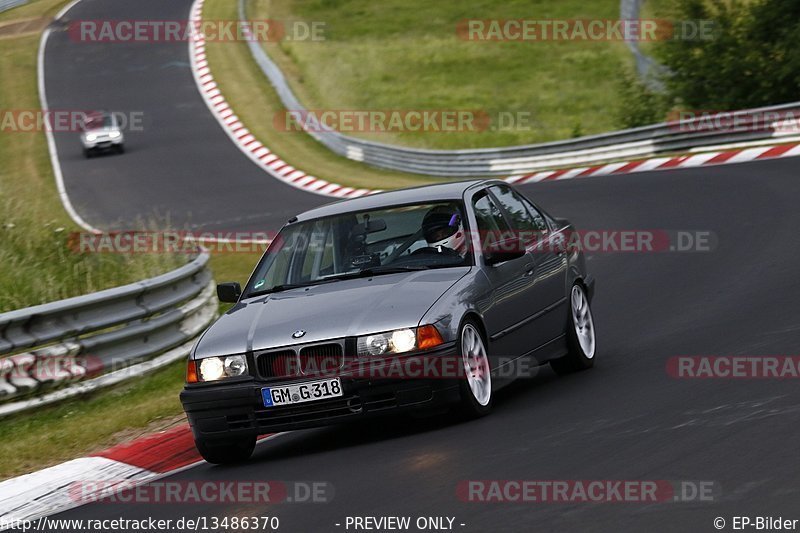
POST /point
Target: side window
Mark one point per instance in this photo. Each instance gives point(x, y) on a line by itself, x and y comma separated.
point(524, 217)
point(491, 224)
point(538, 217)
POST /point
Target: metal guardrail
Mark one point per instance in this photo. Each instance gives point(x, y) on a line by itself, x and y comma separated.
point(641, 142)
point(650, 71)
point(65, 348)
point(5, 5)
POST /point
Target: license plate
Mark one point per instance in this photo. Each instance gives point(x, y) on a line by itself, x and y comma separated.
point(308, 391)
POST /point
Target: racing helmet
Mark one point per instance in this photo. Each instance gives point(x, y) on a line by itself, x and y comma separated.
point(443, 227)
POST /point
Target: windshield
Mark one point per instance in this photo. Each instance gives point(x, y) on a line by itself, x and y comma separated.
point(386, 240)
point(97, 122)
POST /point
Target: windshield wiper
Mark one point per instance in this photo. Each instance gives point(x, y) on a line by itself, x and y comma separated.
point(390, 269)
point(278, 288)
point(363, 273)
point(372, 271)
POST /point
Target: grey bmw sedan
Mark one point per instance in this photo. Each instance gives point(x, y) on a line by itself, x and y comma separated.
point(406, 300)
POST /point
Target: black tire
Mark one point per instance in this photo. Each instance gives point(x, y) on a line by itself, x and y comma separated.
point(120, 149)
point(577, 358)
point(471, 406)
point(228, 451)
point(87, 153)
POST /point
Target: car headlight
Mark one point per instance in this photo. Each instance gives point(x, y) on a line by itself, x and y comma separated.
point(114, 134)
point(91, 137)
point(398, 341)
point(216, 368)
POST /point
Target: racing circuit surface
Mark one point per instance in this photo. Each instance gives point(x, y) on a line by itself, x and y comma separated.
point(626, 419)
point(181, 167)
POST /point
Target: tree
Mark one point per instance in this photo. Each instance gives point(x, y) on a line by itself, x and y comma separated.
point(639, 106)
point(750, 59)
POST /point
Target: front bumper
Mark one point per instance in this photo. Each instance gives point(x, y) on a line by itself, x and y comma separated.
point(102, 143)
point(229, 410)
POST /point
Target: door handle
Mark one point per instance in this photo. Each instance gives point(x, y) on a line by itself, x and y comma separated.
point(530, 269)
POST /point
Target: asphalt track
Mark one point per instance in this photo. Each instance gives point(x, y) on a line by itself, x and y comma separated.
point(625, 419)
point(179, 167)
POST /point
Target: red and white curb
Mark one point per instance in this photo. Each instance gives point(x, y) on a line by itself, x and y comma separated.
point(54, 489)
point(246, 142)
point(663, 163)
point(282, 170)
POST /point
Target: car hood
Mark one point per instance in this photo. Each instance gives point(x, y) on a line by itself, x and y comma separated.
point(328, 311)
point(100, 131)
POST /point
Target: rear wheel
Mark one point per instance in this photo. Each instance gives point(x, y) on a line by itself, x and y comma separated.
point(476, 385)
point(580, 335)
point(226, 451)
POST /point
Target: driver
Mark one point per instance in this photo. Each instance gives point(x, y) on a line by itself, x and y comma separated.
point(443, 229)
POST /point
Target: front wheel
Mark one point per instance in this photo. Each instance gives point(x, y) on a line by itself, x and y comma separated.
point(581, 339)
point(476, 385)
point(228, 451)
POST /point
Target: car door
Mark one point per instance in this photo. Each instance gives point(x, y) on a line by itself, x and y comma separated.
point(511, 284)
point(547, 295)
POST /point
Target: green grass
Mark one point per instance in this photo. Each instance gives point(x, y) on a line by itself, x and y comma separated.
point(234, 266)
point(37, 264)
point(255, 102)
point(78, 427)
point(50, 435)
point(405, 54)
point(665, 10)
point(33, 9)
point(661, 10)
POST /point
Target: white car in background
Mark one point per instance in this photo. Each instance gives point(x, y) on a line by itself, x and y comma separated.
point(102, 132)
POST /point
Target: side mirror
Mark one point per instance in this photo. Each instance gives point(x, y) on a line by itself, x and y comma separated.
point(504, 250)
point(229, 293)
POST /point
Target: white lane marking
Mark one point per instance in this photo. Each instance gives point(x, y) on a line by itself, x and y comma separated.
point(51, 141)
point(197, 54)
point(66, 8)
point(224, 115)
